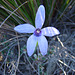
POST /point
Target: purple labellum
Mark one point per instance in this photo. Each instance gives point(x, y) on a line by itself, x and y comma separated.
point(37, 32)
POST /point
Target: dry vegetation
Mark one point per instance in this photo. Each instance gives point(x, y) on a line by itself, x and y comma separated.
point(60, 59)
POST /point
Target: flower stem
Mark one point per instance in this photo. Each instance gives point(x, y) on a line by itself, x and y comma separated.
point(38, 60)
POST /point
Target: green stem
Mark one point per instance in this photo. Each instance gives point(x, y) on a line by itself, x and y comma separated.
point(38, 60)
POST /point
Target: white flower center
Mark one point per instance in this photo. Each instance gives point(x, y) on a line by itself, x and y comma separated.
point(38, 31)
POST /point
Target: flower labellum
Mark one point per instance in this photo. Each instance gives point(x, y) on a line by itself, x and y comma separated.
point(38, 33)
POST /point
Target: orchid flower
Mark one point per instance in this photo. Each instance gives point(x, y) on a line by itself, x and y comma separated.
point(38, 33)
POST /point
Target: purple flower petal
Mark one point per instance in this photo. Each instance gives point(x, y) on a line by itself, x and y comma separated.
point(25, 28)
point(50, 31)
point(43, 45)
point(31, 44)
point(40, 17)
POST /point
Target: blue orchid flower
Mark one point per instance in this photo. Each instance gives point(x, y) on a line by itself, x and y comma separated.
point(38, 33)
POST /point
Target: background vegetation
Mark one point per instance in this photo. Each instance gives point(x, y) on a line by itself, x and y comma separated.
point(60, 59)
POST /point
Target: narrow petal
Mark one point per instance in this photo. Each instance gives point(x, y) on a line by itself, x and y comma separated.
point(25, 28)
point(50, 31)
point(40, 17)
point(31, 44)
point(43, 45)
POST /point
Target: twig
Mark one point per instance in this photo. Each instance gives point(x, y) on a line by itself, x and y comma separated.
point(7, 47)
point(7, 55)
point(11, 44)
point(30, 63)
point(61, 43)
point(65, 65)
point(12, 39)
point(18, 55)
point(62, 69)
